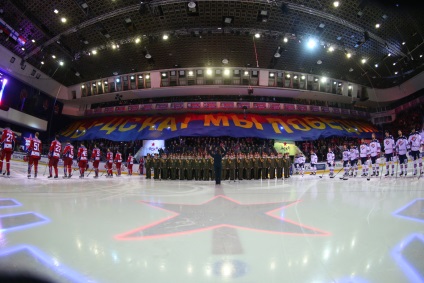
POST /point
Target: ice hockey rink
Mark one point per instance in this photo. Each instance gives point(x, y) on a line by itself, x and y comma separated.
point(129, 229)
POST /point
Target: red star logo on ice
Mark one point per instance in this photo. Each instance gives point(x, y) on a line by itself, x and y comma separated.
point(153, 144)
point(220, 212)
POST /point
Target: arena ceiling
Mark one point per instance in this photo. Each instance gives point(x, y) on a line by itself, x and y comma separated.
point(204, 33)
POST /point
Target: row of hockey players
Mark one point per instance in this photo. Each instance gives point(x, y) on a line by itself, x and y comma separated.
point(369, 155)
point(83, 157)
point(201, 167)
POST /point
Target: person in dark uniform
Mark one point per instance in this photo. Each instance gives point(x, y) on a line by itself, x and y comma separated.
point(217, 156)
point(149, 164)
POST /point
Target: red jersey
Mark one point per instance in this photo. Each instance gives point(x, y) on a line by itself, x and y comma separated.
point(118, 157)
point(82, 153)
point(34, 147)
point(95, 155)
point(109, 156)
point(130, 160)
point(8, 140)
point(55, 148)
point(68, 151)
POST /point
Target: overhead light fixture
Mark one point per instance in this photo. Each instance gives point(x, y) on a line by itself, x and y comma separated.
point(336, 4)
point(363, 60)
point(132, 78)
point(396, 73)
point(163, 74)
point(331, 49)
point(226, 72)
point(191, 4)
point(165, 37)
point(302, 78)
point(348, 55)
point(77, 74)
point(277, 53)
point(421, 56)
point(285, 39)
point(209, 72)
point(137, 40)
point(312, 43)
point(99, 83)
point(323, 79)
point(33, 40)
point(56, 11)
point(225, 61)
point(257, 35)
point(351, 70)
point(148, 56)
point(390, 54)
point(403, 43)
point(94, 52)
point(394, 64)
point(42, 62)
point(288, 76)
point(271, 75)
point(118, 80)
point(349, 87)
point(23, 48)
point(246, 73)
point(376, 65)
point(295, 77)
point(83, 86)
point(190, 73)
point(147, 77)
point(63, 20)
point(319, 62)
point(377, 25)
point(61, 63)
point(140, 76)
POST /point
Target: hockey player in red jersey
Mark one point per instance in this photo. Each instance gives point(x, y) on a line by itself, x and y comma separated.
point(34, 154)
point(130, 162)
point(7, 145)
point(109, 163)
point(141, 165)
point(68, 156)
point(95, 157)
point(54, 155)
point(118, 163)
point(82, 159)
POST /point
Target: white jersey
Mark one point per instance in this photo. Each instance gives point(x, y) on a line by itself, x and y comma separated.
point(314, 158)
point(354, 153)
point(364, 150)
point(389, 144)
point(296, 160)
point(301, 159)
point(401, 145)
point(330, 157)
point(375, 148)
point(346, 155)
point(415, 141)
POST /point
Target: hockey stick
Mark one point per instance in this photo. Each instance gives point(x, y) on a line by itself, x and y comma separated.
point(45, 168)
point(89, 172)
point(397, 164)
point(338, 172)
point(323, 171)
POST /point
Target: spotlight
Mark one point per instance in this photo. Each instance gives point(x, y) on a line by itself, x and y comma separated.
point(285, 39)
point(190, 73)
point(331, 48)
point(377, 25)
point(246, 73)
point(23, 48)
point(257, 35)
point(147, 77)
point(348, 55)
point(94, 52)
point(396, 73)
point(83, 86)
point(137, 40)
point(376, 65)
point(323, 79)
point(53, 56)
point(163, 74)
point(302, 78)
point(295, 77)
point(118, 80)
point(390, 54)
point(363, 60)
point(394, 64)
point(165, 37)
point(403, 43)
point(33, 40)
point(349, 87)
point(209, 72)
point(42, 62)
point(63, 20)
point(148, 56)
point(271, 75)
point(225, 61)
point(56, 11)
point(61, 63)
point(288, 76)
point(132, 78)
point(312, 43)
point(336, 4)
point(140, 77)
point(99, 83)
point(226, 72)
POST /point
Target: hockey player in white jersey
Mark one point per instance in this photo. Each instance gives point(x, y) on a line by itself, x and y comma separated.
point(389, 146)
point(296, 164)
point(375, 150)
point(364, 153)
point(314, 161)
point(354, 154)
point(401, 148)
point(346, 158)
point(330, 161)
point(301, 161)
point(415, 142)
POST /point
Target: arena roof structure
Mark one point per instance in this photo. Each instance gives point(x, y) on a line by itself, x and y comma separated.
point(373, 43)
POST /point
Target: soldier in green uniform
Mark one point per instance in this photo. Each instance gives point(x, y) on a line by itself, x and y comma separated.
point(182, 165)
point(263, 166)
point(232, 166)
point(241, 165)
point(272, 166)
point(249, 166)
point(225, 168)
point(164, 167)
point(148, 163)
point(190, 167)
point(156, 167)
point(211, 168)
point(280, 166)
point(286, 165)
point(173, 166)
point(197, 167)
point(256, 167)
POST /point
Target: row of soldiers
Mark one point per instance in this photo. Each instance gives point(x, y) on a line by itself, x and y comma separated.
point(234, 166)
